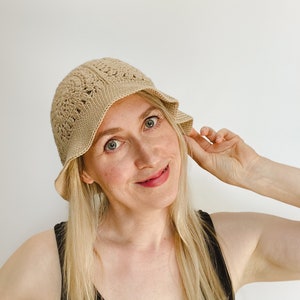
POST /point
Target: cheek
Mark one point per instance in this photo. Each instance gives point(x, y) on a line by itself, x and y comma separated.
point(171, 143)
point(173, 148)
point(113, 175)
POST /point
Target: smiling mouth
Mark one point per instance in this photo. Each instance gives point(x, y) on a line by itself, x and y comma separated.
point(156, 176)
point(158, 179)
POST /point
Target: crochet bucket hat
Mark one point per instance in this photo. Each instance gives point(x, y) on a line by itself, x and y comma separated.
point(85, 95)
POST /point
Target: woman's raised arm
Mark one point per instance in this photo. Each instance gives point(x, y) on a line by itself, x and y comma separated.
point(228, 157)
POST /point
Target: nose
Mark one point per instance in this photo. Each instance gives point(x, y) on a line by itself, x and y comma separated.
point(146, 155)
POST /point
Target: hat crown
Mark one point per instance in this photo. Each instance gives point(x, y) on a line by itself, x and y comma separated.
point(77, 93)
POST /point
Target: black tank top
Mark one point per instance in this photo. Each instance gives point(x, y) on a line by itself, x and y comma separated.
point(213, 246)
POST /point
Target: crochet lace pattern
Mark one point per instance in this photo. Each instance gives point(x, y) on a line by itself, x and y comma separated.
point(77, 93)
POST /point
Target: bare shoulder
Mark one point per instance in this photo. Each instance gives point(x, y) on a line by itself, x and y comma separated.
point(246, 228)
point(238, 235)
point(33, 271)
point(257, 246)
point(235, 222)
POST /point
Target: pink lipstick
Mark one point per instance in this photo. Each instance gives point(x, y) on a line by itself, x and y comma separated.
point(157, 179)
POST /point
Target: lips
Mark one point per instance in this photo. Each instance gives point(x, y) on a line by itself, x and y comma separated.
point(157, 179)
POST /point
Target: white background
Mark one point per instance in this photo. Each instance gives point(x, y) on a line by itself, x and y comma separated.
point(233, 64)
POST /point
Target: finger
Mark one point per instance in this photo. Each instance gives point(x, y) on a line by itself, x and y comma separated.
point(227, 134)
point(202, 141)
point(212, 135)
point(218, 136)
point(193, 133)
point(198, 154)
point(208, 132)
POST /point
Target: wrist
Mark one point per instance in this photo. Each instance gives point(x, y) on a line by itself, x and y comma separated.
point(274, 180)
point(257, 175)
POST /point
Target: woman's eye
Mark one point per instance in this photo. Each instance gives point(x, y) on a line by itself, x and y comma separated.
point(151, 121)
point(112, 145)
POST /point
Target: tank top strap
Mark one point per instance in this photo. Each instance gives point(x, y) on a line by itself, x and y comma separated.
point(216, 255)
point(60, 232)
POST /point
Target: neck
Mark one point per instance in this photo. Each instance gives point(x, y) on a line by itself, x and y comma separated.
point(147, 230)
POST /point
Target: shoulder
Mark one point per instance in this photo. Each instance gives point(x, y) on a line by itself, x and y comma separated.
point(238, 235)
point(245, 229)
point(33, 271)
point(257, 247)
point(226, 222)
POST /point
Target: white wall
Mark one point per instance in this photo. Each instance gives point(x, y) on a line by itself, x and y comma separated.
point(232, 64)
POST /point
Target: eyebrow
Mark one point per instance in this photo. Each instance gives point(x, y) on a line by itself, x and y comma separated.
point(115, 130)
point(106, 132)
point(147, 112)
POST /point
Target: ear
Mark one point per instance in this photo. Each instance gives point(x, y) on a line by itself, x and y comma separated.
point(86, 178)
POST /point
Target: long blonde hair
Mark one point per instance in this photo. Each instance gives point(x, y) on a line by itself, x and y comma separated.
point(87, 208)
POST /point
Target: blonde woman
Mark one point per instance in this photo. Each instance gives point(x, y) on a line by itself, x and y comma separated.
point(132, 232)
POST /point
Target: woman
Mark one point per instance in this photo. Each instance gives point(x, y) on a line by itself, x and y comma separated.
point(132, 232)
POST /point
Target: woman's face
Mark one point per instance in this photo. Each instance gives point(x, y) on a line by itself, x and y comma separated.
point(135, 156)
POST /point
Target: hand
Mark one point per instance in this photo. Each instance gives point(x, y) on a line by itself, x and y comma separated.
point(223, 154)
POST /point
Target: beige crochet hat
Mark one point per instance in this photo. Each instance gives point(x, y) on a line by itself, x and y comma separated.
point(84, 96)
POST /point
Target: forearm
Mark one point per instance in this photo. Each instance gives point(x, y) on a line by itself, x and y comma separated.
point(226, 156)
point(275, 180)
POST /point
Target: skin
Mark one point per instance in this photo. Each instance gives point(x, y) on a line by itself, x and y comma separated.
point(33, 271)
point(257, 247)
point(136, 241)
point(141, 152)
